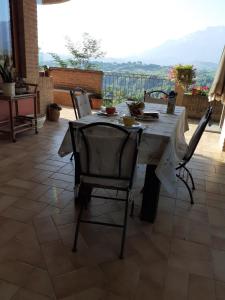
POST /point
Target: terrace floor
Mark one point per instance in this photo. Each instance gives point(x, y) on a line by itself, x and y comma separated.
point(181, 256)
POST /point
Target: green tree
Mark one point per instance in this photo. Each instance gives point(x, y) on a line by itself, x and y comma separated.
point(81, 53)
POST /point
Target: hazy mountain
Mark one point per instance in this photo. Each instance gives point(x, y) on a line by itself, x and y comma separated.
point(5, 40)
point(200, 47)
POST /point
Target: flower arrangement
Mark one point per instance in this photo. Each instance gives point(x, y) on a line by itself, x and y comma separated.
point(183, 74)
point(200, 90)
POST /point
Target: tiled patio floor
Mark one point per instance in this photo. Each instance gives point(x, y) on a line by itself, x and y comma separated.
point(181, 256)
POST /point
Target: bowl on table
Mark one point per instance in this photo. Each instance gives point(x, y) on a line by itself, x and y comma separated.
point(110, 110)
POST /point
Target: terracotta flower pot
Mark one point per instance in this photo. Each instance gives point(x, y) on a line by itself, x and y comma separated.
point(53, 114)
point(96, 103)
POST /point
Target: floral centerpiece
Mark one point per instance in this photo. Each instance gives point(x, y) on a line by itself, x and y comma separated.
point(136, 108)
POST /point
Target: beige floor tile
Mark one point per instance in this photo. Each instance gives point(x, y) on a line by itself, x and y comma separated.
point(218, 264)
point(90, 294)
point(57, 258)
point(190, 250)
point(7, 290)
point(40, 282)
point(15, 272)
point(28, 236)
point(146, 290)
point(176, 284)
point(18, 214)
point(220, 290)
point(45, 229)
point(23, 184)
point(24, 294)
point(37, 230)
point(6, 201)
point(191, 265)
point(31, 205)
point(201, 288)
point(9, 229)
point(77, 281)
point(17, 251)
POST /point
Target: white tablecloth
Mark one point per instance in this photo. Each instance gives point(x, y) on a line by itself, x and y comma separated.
point(163, 142)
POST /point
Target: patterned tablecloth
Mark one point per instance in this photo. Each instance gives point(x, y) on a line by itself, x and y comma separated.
point(163, 142)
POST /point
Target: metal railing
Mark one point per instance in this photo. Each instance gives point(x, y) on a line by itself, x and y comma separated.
point(122, 86)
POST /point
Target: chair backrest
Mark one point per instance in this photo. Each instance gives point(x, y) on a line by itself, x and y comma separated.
point(157, 96)
point(198, 133)
point(80, 101)
point(105, 150)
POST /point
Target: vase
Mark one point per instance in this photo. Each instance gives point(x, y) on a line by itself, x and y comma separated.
point(8, 89)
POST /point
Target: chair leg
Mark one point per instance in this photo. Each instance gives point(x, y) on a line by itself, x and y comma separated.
point(132, 209)
point(71, 157)
point(124, 227)
point(77, 229)
point(187, 186)
point(192, 180)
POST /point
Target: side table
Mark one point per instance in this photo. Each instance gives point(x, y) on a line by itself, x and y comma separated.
point(18, 123)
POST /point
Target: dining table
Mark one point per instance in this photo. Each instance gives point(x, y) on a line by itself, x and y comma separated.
point(161, 149)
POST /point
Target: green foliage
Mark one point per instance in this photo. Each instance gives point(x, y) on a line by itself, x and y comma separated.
point(6, 71)
point(183, 74)
point(81, 54)
point(62, 63)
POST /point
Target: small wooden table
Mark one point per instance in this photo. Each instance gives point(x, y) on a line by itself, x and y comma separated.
point(18, 123)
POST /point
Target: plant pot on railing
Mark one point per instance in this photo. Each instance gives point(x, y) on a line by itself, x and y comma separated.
point(53, 112)
point(96, 101)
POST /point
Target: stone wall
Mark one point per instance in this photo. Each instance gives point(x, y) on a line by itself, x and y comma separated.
point(197, 105)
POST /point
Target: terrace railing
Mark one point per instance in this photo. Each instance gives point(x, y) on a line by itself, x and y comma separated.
point(122, 86)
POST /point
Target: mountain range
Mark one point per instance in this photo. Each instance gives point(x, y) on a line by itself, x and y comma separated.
point(199, 48)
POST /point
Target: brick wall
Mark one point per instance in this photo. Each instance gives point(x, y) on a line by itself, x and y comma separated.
point(66, 78)
point(28, 12)
point(62, 97)
point(31, 40)
point(45, 88)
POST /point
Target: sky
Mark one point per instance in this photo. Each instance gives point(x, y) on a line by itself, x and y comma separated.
point(125, 27)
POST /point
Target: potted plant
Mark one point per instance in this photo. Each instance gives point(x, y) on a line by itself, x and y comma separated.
point(183, 74)
point(7, 74)
point(46, 70)
point(53, 112)
point(96, 101)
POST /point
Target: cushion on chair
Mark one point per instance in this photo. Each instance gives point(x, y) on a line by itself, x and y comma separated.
point(83, 105)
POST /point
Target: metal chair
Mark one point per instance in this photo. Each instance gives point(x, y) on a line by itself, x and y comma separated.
point(81, 104)
point(182, 171)
point(157, 96)
point(106, 155)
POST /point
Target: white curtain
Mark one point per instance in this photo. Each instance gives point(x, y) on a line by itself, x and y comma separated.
point(217, 90)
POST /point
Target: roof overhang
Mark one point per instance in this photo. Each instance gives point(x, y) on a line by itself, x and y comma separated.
point(50, 1)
